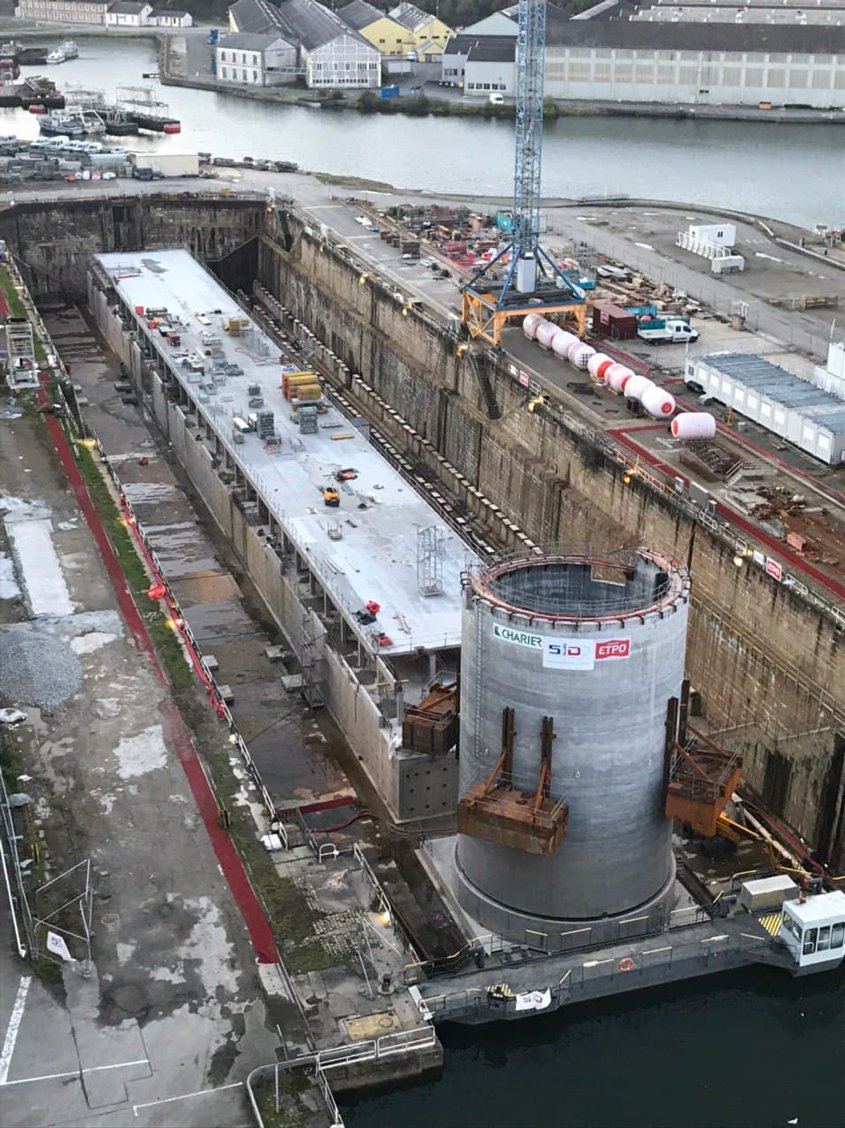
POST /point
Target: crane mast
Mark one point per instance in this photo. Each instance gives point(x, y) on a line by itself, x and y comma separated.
point(523, 277)
point(528, 158)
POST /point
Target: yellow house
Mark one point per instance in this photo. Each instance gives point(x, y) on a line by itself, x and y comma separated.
point(387, 35)
point(427, 33)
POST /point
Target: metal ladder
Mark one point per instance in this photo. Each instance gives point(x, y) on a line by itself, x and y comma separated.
point(479, 634)
point(487, 392)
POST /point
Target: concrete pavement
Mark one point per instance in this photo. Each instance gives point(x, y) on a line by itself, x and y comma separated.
point(169, 1016)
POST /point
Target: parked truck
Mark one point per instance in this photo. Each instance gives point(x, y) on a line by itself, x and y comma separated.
point(669, 330)
point(155, 166)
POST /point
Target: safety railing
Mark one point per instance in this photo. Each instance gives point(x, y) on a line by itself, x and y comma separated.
point(400, 1042)
point(592, 978)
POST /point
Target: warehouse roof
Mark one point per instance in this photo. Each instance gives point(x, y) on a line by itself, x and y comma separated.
point(410, 16)
point(818, 39)
point(776, 384)
point(249, 41)
point(611, 9)
point(312, 25)
point(488, 51)
point(255, 16)
point(360, 14)
point(554, 15)
point(463, 44)
point(364, 550)
point(300, 22)
point(128, 7)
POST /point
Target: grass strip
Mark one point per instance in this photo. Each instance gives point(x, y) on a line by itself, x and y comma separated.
point(13, 298)
point(164, 636)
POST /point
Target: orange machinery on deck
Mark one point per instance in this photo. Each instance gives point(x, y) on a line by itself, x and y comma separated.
point(700, 776)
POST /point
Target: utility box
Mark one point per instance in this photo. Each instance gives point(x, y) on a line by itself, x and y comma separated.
point(767, 893)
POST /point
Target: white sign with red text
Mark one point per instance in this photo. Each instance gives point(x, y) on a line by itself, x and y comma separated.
point(582, 654)
point(566, 653)
point(774, 569)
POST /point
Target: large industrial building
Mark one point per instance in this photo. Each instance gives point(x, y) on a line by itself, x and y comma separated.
point(294, 40)
point(742, 57)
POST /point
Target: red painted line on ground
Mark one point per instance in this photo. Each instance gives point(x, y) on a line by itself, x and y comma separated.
point(260, 933)
point(778, 548)
point(767, 456)
point(622, 436)
point(763, 453)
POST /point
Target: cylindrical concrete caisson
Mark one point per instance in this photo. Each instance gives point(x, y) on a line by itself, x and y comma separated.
point(596, 642)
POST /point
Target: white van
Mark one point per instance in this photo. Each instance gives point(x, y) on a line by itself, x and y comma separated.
point(497, 100)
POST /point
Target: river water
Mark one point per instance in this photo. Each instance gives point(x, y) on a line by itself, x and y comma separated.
point(790, 172)
point(745, 1050)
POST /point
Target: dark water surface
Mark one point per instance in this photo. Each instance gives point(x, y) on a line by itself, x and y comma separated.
point(748, 1049)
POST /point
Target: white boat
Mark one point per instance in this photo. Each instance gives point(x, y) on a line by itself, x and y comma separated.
point(72, 123)
point(66, 50)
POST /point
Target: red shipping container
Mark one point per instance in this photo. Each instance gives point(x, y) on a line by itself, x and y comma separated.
point(614, 322)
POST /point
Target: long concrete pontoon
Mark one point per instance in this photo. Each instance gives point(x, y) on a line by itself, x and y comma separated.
point(368, 592)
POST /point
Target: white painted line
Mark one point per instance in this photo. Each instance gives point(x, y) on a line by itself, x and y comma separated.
point(78, 1072)
point(186, 1096)
point(12, 1029)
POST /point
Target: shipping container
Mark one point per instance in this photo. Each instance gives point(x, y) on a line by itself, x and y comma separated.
point(613, 322)
point(168, 164)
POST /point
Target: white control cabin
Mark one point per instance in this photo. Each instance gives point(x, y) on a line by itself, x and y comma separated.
point(813, 929)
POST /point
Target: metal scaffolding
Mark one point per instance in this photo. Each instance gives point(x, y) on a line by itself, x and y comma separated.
point(430, 560)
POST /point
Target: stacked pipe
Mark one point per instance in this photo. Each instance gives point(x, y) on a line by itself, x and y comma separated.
point(603, 369)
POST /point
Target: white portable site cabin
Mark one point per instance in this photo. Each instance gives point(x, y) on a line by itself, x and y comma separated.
point(814, 931)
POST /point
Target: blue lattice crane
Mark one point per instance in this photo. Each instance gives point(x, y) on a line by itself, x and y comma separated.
point(532, 281)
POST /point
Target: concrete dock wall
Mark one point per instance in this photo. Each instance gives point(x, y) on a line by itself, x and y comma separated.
point(769, 664)
point(53, 241)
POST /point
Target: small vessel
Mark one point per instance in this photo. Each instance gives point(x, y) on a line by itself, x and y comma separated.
point(141, 106)
point(26, 56)
point(39, 91)
point(72, 123)
point(66, 50)
point(60, 125)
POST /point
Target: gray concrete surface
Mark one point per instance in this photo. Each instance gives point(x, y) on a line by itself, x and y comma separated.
point(169, 1017)
point(292, 746)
